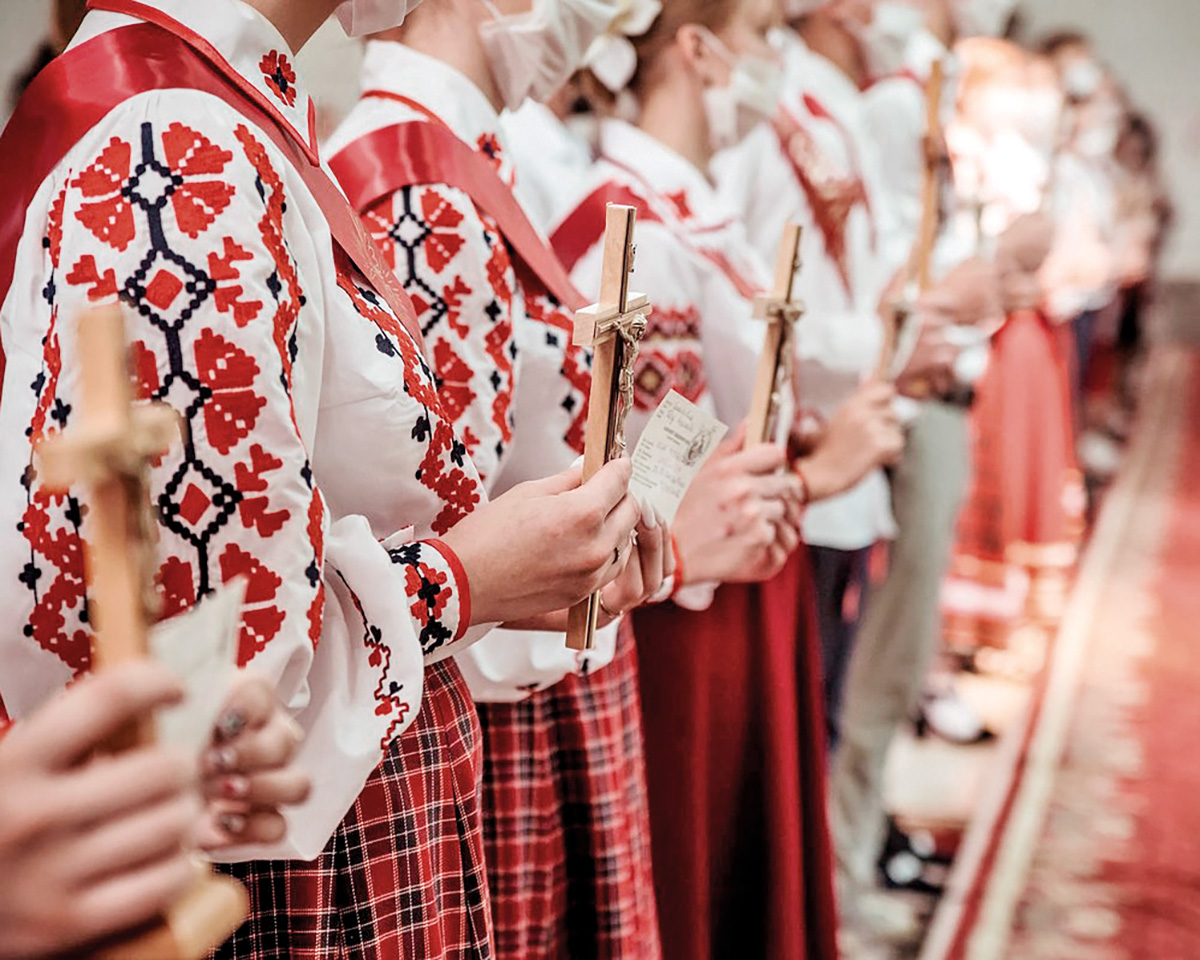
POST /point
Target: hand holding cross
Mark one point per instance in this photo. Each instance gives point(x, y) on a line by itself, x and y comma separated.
point(612, 328)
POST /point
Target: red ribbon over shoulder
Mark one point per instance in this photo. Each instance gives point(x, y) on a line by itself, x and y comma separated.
point(418, 152)
point(77, 90)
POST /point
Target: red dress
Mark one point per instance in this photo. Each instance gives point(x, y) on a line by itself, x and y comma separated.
point(1019, 529)
point(731, 700)
point(736, 766)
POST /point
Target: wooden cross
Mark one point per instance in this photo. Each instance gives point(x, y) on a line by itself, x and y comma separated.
point(109, 453)
point(781, 310)
point(919, 274)
point(612, 328)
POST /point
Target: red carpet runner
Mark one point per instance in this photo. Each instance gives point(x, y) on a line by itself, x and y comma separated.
point(1089, 848)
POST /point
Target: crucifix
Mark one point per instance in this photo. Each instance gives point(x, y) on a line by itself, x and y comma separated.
point(612, 328)
point(919, 277)
point(109, 454)
point(781, 310)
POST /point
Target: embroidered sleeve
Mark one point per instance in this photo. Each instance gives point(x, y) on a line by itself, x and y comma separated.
point(671, 354)
point(455, 266)
point(185, 223)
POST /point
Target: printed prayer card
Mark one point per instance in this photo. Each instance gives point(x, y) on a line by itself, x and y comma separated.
point(200, 647)
point(677, 441)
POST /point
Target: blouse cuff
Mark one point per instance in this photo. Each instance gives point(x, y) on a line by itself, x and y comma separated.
point(439, 594)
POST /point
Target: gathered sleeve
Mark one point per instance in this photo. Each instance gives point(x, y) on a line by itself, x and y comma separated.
point(193, 225)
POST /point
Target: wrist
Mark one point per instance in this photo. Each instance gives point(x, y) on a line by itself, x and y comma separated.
point(438, 592)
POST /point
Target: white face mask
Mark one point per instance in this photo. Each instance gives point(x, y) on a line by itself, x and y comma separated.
point(1082, 79)
point(533, 54)
point(750, 98)
point(886, 38)
point(983, 18)
point(361, 17)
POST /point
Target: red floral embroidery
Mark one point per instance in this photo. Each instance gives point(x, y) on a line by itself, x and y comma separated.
point(228, 295)
point(261, 619)
point(442, 244)
point(497, 342)
point(575, 369)
point(144, 364)
point(280, 77)
point(499, 267)
point(111, 189)
point(489, 145)
point(197, 203)
point(177, 586)
point(428, 603)
point(250, 480)
point(453, 297)
point(86, 273)
point(679, 201)
point(270, 227)
point(670, 358)
point(229, 372)
point(316, 536)
point(62, 551)
point(107, 213)
point(379, 227)
point(455, 376)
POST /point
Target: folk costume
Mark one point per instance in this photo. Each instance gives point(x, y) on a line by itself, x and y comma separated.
point(1019, 529)
point(730, 692)
point(810, 165)
point(167, 159)
point(901, 627)
point(565, 817)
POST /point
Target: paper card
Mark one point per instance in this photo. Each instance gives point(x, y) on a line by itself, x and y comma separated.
point(200, 647)
point(906, 343)
point(677, 441)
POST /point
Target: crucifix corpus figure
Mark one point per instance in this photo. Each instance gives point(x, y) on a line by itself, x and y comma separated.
point(612, 329)
point(781, 310)
point(108, 453)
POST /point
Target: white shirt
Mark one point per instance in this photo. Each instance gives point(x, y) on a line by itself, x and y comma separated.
point(845, 270)
point(309, 412)
point(510, 375)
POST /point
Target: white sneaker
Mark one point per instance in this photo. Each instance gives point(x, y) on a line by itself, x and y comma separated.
point(952, 718)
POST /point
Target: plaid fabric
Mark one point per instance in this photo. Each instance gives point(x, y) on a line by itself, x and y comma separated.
point(566, 820)
point(403, 877)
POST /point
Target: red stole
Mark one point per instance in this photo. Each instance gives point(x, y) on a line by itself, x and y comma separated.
point(427, 151)
point(584, 227)
point(81, 87)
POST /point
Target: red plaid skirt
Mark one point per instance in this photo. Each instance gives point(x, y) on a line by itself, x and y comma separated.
point(403, 878)
point(566, 821)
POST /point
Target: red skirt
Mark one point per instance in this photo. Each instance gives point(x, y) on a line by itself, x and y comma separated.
point(403, 877)
point(1023, 514)
point(736, 765)
point(565, 819)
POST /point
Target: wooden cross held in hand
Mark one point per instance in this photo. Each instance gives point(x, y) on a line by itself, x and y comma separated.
point(919, 279)
point(109, 453)
point(612, 328)
point(781, 310)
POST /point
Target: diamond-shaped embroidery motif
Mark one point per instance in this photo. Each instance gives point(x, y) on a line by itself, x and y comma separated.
point(151, 285)
point(194, 503)
point(182, 506)
point(151, 185)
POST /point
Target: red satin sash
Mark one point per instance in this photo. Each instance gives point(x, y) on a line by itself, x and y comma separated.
point(77, 90)
point(422, 152)
point(583, 228)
